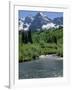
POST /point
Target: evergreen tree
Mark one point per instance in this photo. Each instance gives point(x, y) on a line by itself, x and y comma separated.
point(29, 36)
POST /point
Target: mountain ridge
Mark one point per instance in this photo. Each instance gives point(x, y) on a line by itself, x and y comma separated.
point(39, 21)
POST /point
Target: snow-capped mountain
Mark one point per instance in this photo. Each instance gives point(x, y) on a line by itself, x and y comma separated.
point(38, 22)
point(25, 23)
point(28, 19)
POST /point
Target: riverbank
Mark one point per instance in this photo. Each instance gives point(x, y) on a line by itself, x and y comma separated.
point(29, 52)
point(46, 57)
point(51, 56)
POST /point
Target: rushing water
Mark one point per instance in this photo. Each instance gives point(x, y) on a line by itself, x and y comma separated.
point(42, 68)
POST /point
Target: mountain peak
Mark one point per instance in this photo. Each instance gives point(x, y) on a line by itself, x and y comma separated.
point(28, 19)
point(39, 20)
point(40, 14)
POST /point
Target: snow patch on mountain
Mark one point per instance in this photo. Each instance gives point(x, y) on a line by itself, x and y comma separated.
point(49, 25)
point(20, 23)
point(26, 27)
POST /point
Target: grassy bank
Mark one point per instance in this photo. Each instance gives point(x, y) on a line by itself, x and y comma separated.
point(30, 52)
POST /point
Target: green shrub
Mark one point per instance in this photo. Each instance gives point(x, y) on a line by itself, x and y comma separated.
point(28, 52)
point(60, 50)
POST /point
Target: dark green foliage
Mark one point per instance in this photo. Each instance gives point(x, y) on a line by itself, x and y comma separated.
point(60, 50)
point(25, 36)
point(40, 43)
point(29, 36)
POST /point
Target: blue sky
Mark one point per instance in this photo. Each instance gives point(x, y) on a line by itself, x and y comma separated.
point(51, 15)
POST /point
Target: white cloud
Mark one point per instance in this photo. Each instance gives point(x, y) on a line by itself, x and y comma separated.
point(49, 25)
